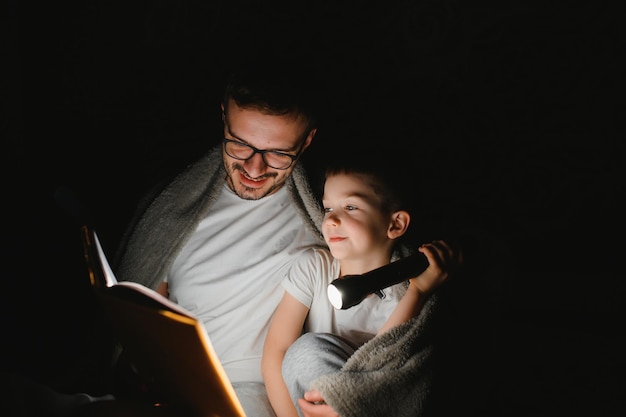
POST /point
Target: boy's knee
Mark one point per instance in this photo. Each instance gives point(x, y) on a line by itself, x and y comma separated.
point(317, 351)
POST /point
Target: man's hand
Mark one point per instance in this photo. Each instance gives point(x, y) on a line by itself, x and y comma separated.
point(313, 405)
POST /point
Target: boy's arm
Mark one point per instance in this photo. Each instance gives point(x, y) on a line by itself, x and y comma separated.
point(441, 259)
point(285, 328)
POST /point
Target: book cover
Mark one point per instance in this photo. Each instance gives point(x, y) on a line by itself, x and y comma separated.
point(165, 342)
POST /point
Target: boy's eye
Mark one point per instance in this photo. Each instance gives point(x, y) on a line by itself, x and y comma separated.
point(327, 209)
point(350, 207)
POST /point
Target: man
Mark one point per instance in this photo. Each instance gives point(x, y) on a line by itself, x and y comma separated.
point(221, 236)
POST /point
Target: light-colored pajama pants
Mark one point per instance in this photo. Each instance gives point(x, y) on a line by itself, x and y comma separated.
point(311, 356)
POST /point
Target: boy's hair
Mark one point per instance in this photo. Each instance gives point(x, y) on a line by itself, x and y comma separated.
point(274, 86)
point(380, 173)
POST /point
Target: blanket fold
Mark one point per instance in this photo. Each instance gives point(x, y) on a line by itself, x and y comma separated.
point(390, 375)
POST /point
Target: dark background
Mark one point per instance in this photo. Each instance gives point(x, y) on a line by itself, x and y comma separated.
point(511, 114)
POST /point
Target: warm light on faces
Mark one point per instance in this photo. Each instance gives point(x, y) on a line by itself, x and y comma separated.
point(355, 227)
point(253, 179)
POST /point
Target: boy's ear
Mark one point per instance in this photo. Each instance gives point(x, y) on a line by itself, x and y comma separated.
point(399, 224)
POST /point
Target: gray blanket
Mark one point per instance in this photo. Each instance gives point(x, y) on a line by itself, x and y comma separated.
point(389, 376)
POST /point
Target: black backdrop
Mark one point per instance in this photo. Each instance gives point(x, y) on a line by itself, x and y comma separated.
point(511, 114)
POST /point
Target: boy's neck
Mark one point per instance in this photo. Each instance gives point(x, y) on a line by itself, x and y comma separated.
point(361, 266)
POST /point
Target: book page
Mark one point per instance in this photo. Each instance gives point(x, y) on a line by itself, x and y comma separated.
point(109, 276)
point(111, 281)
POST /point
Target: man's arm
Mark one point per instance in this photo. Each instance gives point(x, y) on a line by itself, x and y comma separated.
point(163, 289)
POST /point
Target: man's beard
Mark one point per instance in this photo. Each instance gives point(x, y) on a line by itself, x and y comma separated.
point(248, 193)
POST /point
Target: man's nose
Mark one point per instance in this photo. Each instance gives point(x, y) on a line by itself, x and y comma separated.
point(255, 165)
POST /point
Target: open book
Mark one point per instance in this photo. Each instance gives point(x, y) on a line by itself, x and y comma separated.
point(164, 341)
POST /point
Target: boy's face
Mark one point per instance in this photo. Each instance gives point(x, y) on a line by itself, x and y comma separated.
point(355, 227)
point(253, 179)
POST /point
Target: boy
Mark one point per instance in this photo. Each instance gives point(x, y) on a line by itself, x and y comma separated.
point(364, 221)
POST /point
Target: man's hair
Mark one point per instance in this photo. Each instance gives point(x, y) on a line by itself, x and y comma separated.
point(275, 87)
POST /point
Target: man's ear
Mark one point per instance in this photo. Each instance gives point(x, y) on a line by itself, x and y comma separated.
point(309, 138)
point(399, 224)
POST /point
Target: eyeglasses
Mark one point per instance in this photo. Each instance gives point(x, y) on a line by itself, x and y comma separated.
point(273, 159)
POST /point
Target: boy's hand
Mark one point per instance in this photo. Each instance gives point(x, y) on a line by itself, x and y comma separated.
point(313, 405)
point(442, 261)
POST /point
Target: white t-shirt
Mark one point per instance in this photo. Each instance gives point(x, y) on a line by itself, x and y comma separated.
point(229, 274)
point(308, 281)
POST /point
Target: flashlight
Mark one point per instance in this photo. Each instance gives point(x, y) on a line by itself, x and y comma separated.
point(350, 290)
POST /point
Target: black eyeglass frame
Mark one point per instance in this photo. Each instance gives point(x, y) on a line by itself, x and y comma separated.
point(262, 152)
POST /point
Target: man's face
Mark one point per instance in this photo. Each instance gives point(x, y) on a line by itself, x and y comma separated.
point(252, 179)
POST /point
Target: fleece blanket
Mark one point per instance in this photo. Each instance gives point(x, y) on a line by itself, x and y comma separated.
point(390, 375)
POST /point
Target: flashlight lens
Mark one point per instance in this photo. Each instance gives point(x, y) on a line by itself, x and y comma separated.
point(335, 297)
